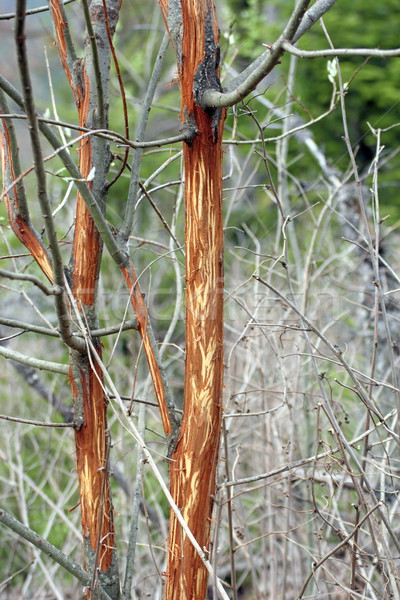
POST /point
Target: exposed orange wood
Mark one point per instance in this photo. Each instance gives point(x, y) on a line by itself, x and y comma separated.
point(91, 457)
point(87, 243)
point(91, 438)
point(22, 229)
point(142, 316)
point(35, 247)
point(61, 27)
point(194, 462)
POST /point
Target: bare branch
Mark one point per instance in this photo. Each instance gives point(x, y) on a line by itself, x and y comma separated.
point(59, 557)
point(333, 348)
point(260, 68)
point(32, 11)
point(315, 12)
point(118, 255)
point(126, 228)
point(32, 279)
point(63, 37)
point(108, 134)
point(36, 423)
point(336, 548)
point(125, 326)
point(102, 118)
point(44, 365)
point(160, 215)
point(371, 52)
point(292, 466)
point(14, 194)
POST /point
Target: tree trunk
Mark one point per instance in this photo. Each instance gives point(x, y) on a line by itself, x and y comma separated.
point(193, 465)
point(88, 82)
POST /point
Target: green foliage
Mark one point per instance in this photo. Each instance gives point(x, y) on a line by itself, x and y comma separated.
point(373, 91)
point(372, 97)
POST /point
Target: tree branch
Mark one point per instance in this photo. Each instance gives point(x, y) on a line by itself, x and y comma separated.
point(101, 118)
point(117, 250)
point(35, 280)
point(247, 81)
point(259, 69)
point(126, 228)
point(54, 553)
point(14, 194)
point(30, 375)
point(36, 423)
point(127, 325)
point(372, 52)
point(161, 216)
point(314, 13)
point(44, 365)
point(344, 542)
point(32, 11)
point(336, 351)
point(292, 466)
point(64, 41)
point(108, 134)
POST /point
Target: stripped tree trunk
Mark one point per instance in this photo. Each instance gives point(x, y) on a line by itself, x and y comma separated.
point(194, 32)
point(89, 84)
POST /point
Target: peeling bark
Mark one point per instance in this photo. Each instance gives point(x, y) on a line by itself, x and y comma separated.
point(142, 316)
point(193, 465)
point(91, 458)
point(87, 244)
point(90, 414)
point(14, 197)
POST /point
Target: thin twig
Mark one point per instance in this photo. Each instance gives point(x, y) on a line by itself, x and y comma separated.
point(372, 52)
point(126, 228)
point(137, 499)
point(123, 95)
point(109, 134)
point(344, 542)
point(160, 215)
point(304, 461)
point(230, 511)
point(36, 423)
point(333, 348)
point(32, 279)
point(374, 253)
point(32, 11)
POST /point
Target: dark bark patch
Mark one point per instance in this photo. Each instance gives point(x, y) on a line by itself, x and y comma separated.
point(206, 76)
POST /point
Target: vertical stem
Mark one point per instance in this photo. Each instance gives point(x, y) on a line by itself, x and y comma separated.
point(230, 513)
point(193, 465)
point(88, 78)
point(137, 499)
